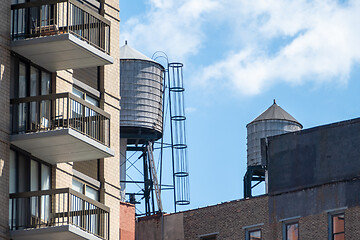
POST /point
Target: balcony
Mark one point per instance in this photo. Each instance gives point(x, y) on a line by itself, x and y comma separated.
point(57, 214)
point(60, 128)
point(60, 34)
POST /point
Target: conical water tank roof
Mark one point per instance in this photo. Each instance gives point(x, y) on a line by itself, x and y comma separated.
point(275, 112)
point(127, 52)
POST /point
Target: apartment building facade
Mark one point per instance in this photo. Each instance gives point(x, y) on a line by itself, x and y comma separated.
point(59, 129)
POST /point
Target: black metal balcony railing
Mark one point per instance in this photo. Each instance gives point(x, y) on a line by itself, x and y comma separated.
point(52, 17)
point(58, 207)
point(57, 111)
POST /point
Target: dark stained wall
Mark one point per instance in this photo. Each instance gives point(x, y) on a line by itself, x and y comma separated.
point(314, 156)
point(314, 201)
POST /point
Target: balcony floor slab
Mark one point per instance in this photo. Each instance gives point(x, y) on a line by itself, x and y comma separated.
point(66, 232)
point(63, 145)
point(60, 52)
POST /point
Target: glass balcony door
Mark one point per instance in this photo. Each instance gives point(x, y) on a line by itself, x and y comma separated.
point(26, 175)
point(30, 81)
point(91, 125)
point(91, 221)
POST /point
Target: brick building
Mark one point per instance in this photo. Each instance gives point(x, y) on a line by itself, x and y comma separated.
point(313, 193)
point(59, 129)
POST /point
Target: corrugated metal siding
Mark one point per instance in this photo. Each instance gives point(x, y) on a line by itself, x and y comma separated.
point(141, 84)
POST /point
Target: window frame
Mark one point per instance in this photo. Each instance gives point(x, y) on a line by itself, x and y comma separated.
point(86, 95)
point(331, 216)
point(15, 64)
point(85, 185)
point(285, 229)
point(290, 221)
point(25, 117)
point(253, 228)
point(209, 236)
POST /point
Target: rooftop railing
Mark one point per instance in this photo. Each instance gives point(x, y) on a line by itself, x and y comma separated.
point(58, 207)
point(58, 111)
point(52, 17)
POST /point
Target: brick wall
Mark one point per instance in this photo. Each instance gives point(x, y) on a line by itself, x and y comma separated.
point(89, 168)
point(111, 166)
point(352, 223)
point(314, 227)
point(228, 219)
point(62, 175)
point(5, 118)
point(231, 219)
point(127, 221)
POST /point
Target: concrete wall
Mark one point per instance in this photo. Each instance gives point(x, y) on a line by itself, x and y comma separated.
point(148, 228)
point(166, 227)
point(314, 156)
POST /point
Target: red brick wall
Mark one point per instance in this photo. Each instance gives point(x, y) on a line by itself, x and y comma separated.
point(228, 219)
point(127, 221)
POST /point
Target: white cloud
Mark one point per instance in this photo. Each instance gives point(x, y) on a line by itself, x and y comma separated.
point(172, 26)
point(274, 41)
point(323, 46)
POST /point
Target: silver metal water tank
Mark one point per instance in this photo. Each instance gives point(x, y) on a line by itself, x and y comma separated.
point(273, 121)
point(141, 86)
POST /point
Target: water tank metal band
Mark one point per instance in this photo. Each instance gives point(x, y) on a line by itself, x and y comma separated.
point(177, 89)
point(178, 118)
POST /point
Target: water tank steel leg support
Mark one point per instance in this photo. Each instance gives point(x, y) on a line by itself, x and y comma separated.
point(253, 173)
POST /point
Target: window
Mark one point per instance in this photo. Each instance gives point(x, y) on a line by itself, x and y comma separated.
point(254, 234)
point(77, 204)
point(86, 97)
point(28, 80)
point(28, 174)
point(337, 226)
point(85, 189)
point(292, 231)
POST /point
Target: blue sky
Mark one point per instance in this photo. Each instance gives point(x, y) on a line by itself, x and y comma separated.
point(240, 55)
